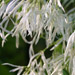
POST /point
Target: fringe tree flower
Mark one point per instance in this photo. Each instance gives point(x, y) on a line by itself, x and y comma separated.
point(47, 18)
point(69, 52)
point(18, 68)
point(73, 69)
point(36, 18)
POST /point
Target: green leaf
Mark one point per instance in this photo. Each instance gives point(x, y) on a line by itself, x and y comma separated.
point(65, 72)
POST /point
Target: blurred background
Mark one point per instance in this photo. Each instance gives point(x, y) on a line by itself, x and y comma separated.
point(10, 54)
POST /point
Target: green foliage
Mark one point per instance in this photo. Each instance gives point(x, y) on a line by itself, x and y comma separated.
point(65, 72)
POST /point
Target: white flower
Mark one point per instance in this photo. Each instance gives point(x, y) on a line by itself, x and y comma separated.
point(70, 46)
point(73, 69)
point(10, 7)
point(70, 51)
point(18, 68)
point(2, 8)
point(33, 22)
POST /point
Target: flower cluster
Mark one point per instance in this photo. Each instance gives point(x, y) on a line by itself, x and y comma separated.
point(34, 18)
